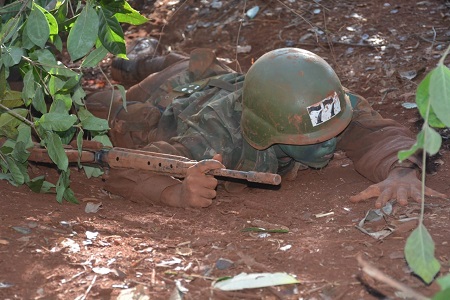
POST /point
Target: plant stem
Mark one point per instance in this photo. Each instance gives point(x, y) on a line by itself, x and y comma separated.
point(13, 113)
point(112, 93)
point(441, 61)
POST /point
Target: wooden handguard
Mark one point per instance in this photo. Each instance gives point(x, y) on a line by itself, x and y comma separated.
point(173, 165)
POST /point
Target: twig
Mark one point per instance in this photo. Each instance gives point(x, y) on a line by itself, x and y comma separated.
point(317, 289)
point(73, 277)
point(112, 93)
point(89, 288)
point(380, 276)
point(234, 295)
point(277, 294)
point(13, 113)
point(238, 66)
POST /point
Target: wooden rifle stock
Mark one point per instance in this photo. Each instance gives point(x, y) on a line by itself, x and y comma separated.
point(160, 163)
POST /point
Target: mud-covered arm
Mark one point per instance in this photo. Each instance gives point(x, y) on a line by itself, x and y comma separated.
point(139, 186)
point(372, 142)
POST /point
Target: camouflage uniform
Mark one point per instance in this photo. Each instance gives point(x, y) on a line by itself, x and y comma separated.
point(195, 109)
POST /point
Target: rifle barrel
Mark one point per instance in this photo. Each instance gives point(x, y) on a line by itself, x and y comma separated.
point(176, 165)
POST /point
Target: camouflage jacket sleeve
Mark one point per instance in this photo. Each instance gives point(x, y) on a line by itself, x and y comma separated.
point(195, 124)
point(372, 142)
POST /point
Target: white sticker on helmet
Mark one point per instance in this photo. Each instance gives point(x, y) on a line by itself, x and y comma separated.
point(324, 110)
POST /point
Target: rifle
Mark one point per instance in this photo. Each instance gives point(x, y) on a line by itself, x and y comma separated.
point(164, 164)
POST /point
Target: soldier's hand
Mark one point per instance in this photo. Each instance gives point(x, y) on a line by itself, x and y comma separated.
point(198, 189)
point(401, 184)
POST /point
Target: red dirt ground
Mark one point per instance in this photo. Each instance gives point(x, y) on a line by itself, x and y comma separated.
point(133, 240)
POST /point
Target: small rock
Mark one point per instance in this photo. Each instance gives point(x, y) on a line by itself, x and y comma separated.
point(223, 264)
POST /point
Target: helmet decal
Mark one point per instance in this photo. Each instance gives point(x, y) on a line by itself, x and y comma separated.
point(324, 110)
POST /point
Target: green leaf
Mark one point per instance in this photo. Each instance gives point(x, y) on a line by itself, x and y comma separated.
point(56, 121)
point(10, 30)
point(130, 15)
point(71, 83)
point(55, 84)
point(419, 253)
point(24, 135)
point(51, 21)
point(12, 55)
point(66, 99)
point(111, 34)
point(9, 123)
point(37, 28)
point(92, 171)
point(12, 99)
point(56, 151)
point(56, 40)
point(94, 123)
point(254, 280)
point(29, 87)
point(78, 95)
point(259, 229)
point(61, 12)
point(61, 104)
point(60, 69)
point(442, 295)
point(422, 100)
point(63, 190)
point(7, 147)
point(39, 185)
point(3, 81)
point(62, 184)
point(80, 145)
point(104, 139)
point(404, 154)
point(123, 94)
point(16, 173)
point(431, 145)
point(26, 42)
point(440, 93)
point(7, 176)
point(45, 57)
point(84, 33)
point(67, 136)
point(94, 57)
point(69, 195)
point(20, 154)
point(432, 140)
point(38, 101)
point(444, 282)
point(83, 113)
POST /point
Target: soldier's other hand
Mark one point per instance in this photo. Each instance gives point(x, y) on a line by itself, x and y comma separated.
point(401, 184)
point(198, 189)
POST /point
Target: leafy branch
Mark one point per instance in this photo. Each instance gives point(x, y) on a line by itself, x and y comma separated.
point(50, 109)
point(433, 102)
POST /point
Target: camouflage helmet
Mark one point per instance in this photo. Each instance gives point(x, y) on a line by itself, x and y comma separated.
point(292, 96)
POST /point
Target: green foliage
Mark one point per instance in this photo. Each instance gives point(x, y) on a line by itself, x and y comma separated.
point(444, 283)
point(50, 108)
point(433, 102)
point(419, 253)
